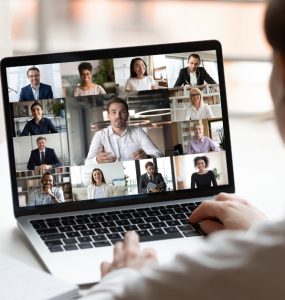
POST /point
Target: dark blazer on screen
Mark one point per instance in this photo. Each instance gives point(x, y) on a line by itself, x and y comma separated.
point(50, 159)
point(157, 179)
point(45, 92)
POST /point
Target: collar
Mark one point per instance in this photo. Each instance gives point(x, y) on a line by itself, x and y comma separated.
point(111, 132)
point(199, 141)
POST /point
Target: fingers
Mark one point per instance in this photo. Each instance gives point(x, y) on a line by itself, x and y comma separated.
point(102, 149)
point(105, 268)
point(225, 197)
point(210, 226)
point(139, 154)
point(118, 254)
point(207, 210)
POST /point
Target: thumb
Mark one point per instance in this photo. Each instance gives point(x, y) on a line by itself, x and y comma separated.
point(102, 149)
point(210, 226)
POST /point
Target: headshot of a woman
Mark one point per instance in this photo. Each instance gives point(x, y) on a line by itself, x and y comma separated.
point(87, 87)
point(39, 124)
point(197, 110)
point(203, 178)
point(139, 79)
point(98, 188)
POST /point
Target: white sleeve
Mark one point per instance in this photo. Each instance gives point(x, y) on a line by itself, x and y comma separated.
point(94, 148)
point(128, 87)
point(230, 265)
point(148, 146)
point(152, 81)
point(209, 112)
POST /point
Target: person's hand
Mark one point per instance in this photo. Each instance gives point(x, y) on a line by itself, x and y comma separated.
point(140, 154)
point(105, 157)
point(154, 190)
point(127, 254)
point(227, 212)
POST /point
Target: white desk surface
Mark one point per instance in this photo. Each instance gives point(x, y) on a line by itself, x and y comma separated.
point(259, 161)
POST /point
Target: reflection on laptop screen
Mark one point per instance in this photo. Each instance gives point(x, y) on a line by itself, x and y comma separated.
point(110, 128)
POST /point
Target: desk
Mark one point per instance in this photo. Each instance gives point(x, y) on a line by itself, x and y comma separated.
point(259, 161)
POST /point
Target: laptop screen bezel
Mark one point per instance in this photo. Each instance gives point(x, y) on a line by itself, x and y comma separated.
point(116, 53)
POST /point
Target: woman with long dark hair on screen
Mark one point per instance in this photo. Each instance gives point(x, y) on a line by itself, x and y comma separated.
point(203, 178)
point(139, 79)
point(98, 188)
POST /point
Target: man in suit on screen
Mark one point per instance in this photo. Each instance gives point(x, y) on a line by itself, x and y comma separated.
point(35, 90)
point(151, 182)
point(43, 158)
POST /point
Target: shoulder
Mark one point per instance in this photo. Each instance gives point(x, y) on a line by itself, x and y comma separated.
point(43, 85)
point(24, 88)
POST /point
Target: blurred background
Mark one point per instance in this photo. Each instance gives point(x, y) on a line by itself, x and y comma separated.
point(40, 26)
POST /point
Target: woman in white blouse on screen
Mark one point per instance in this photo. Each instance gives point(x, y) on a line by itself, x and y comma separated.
point(98, 188)
point(197, 109)
point(139, 79)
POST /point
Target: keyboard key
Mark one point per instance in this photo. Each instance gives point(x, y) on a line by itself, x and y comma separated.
point(157, 237)
point(98, 238)
point(111, 218)
point(97, 219)
point(87, 232)
point(179, 216)
point(108, 224)
point(70, 241)
point(123, 222)
point(116, 229)
point(139, 214)
point(184, 221)
point(65, 229)
point(173, 223)
point(85, 246)
point(53, 224)
point(159, 224)
point(102, 244)
point(53, 243)
point(191, 233)
point(47, 231)
point(171, 229)
point(152, 213)
point(84, 239)
point(137, 221)
point(94, 225)
point(56, 236)
point(70, 247)
point(125, 216)
point(131, 227)
point(113, 236)
point(157, 231)
point(82, 216)
point(79, 227)
point(112, 213)
point(73, 234)
point(127, 211)
point(145, 226)
point(67, 218)
point(68, 222)
point(39, 225)
point(83, 221)
point(55, 249)
point(37, 221)
point(143, 233)
point(151, 219)
point(187, 227)
point(102, 230)
point(168, 211)
point(165, 218)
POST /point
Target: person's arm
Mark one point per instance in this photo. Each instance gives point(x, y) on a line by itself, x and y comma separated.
point(57, 195)
point(90, 191)
point(22, 95)
point(180, 79)
point(101, 90)
point(147, 145)
point(55, 161)
point(31, 163)
point(154, 85)
point(142, 185)
point(128, 87)
point(161, 183)
point(193, 181)
point(213, 178)
point(213, 146)
point(26, 130)
point(209, 112)
point(189, 147)
point(50, 93)
point(51, 127)
point(208, 78)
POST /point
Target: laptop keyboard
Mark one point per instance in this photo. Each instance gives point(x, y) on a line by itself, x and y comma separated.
point(106, 228)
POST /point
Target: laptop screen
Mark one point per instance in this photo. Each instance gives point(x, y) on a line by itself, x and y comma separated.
point(117, 126)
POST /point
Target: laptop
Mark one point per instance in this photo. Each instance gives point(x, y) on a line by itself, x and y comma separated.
point(89, 186)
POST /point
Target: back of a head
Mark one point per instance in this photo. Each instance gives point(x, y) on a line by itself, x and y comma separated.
point(275, 24)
